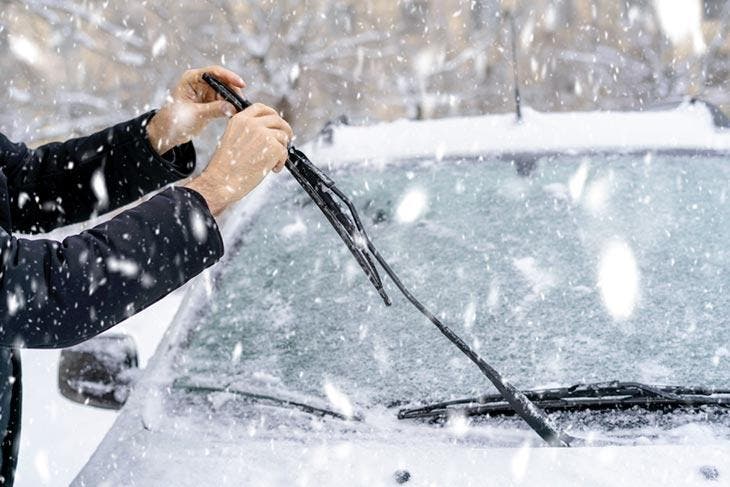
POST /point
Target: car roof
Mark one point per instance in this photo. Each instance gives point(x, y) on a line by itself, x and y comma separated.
point(687, 126)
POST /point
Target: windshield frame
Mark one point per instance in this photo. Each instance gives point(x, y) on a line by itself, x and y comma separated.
point(244, 213)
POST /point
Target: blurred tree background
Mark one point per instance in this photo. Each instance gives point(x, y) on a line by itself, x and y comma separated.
point(71, 66)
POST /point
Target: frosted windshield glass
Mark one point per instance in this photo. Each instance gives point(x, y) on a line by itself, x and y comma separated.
point(577, 269)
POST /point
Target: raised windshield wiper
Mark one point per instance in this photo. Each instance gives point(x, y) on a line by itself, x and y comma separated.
point(593, 397)
point(323, 192)
point(330, 200)
point(258, 398)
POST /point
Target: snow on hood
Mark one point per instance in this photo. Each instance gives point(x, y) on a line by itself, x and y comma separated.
point(689, 126)
point(268, 446)
point(160, 458)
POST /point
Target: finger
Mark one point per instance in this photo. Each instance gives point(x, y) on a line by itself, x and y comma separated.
point(283, 125)
point(283, 156)
point(215, 109)
point(279, 166)
point(259, 110)
point(277, 123)
point(281, 137)
point(225, 75)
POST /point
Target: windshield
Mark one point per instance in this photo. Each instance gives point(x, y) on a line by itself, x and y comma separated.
point(574, 269)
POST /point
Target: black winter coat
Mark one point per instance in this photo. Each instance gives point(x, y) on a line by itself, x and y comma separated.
point(56, 294)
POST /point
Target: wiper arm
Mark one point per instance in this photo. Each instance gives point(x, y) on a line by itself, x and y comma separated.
point(325, 194)
point(599, 396)
point(265, 399)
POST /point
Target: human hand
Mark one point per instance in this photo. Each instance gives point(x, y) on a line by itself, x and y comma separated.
point(191, 106)
point(255, 143)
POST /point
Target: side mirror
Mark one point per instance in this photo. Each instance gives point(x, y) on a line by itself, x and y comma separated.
point(99, 372)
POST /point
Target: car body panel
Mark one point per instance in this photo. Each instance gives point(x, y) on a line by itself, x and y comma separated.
point(200, 457)
point(147, 444)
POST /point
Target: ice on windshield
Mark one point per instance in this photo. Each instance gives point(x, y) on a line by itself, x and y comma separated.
point(578, 269)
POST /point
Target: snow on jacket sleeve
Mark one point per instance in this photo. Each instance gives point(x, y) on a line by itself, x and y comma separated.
point(62, 183)
point(57, 294)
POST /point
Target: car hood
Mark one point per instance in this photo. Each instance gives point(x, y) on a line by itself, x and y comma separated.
point(268, 450)
point(287, 463)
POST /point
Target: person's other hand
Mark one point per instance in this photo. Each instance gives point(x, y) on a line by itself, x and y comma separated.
point(255, 143)
point(191, 106)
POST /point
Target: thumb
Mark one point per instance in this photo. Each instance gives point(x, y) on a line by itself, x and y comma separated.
point(215, 109)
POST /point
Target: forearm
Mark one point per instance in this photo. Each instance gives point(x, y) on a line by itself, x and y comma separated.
point(61, 293)
point(63, 183)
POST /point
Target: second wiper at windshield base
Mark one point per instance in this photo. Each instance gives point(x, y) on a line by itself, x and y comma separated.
point(266, 399)
point(599, 396)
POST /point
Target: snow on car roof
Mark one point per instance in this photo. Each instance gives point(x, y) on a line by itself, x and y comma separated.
point(689, 126)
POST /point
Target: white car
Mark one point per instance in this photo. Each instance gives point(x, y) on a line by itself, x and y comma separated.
point(586, 250)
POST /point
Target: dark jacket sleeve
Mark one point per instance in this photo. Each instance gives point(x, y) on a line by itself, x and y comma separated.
point(57, 294)
point(67, 182)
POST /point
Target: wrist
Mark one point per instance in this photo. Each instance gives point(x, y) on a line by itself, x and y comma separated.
point(158, 132)
point(208, 191)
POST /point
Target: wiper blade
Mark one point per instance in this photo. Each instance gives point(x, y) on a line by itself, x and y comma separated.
point(330, 200)
point(321, 189)
point(324, 193)
point(598, 396)
point(265, 399)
